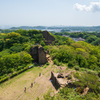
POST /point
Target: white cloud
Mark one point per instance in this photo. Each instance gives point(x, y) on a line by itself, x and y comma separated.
point(94, 7)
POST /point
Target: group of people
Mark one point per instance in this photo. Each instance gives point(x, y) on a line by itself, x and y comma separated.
point(31, 84)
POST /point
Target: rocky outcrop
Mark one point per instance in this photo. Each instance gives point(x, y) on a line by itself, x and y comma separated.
point(38, 54)
point(34, 53)
point(41, 56)
point(59, 80)
point(62, 79)
point(55, 81)
point(48, 38)
point(65, 79)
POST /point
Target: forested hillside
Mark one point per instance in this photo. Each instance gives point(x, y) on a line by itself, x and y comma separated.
point(14, 51)
point(82, 56)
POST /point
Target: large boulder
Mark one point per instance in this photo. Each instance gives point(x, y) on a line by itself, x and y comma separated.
point(48, 38)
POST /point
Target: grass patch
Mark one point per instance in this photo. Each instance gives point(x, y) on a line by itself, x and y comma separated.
point(34, 70)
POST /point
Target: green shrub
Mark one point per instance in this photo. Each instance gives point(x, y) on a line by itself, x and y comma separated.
point(37, 98)
point(57, 62)
point(19, 67)
point(89, 71)
point(13, 74)
point(14, 62)
point(88, 80)
point(42, 43)
point(20, 71)
point(99, 73)
point(79, 89)
point(76, 75)
point(71, 64)
point(4, 79)
point(82, 62)
point(82, 69)
point(47, 63)
point(16, 48)
point(77, 67)
point(10, 70)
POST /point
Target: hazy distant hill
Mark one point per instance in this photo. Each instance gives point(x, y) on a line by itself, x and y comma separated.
point(61, 28)
point(29, 27)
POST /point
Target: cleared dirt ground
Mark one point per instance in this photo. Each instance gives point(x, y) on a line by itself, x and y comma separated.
point(13, 89)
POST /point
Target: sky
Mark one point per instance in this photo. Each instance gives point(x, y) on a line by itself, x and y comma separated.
point(50, 12)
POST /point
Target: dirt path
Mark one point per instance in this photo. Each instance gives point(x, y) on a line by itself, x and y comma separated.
point(14, 88)
point(41, 86)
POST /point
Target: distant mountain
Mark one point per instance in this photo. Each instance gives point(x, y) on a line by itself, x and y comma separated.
point(61, 28)
point(28, 27)
point(5, 27)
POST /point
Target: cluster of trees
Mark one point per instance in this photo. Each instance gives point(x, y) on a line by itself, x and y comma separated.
point(78, 53)
point(90, 80)
point(14, 49)
point(14, 62)
point(6, 30)
point(61, 40)
point(90, 37)
point(34, 35)
point(7, 40)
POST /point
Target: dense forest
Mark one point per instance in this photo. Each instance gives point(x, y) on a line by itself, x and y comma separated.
point(81, 55)
point(14, 51)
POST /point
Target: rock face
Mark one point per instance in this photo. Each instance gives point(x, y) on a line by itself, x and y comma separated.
point(41, 56)
point(48, 38)
point(55, 81)
point(60, 80)
point(38, 54)
point(34, 53)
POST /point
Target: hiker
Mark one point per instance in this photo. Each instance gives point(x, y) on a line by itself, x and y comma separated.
point(39, 74)
point(31, 85)
point(25, 90)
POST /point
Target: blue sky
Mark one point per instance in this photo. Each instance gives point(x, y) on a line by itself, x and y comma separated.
point(50, 12)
